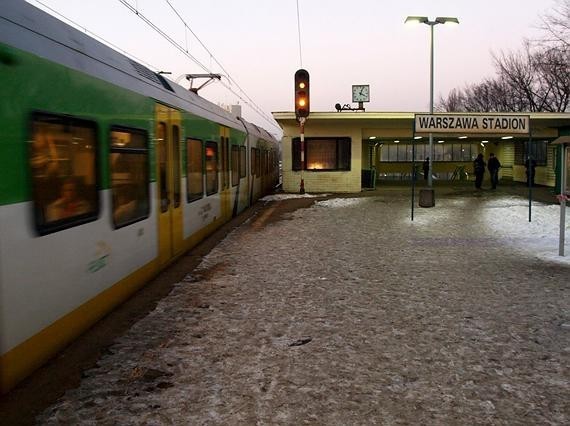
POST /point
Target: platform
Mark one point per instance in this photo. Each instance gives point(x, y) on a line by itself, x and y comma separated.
point(341, 310)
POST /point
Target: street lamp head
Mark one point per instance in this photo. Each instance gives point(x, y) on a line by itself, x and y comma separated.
point(447, 20)
point(416, 20)
point(425, 20)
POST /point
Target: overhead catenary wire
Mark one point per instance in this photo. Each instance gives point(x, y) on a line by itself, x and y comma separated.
point(96, 36)
point(299, 35)
point(245, 98)
point(212, 57)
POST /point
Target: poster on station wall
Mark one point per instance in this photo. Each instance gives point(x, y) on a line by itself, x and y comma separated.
point(472, 124)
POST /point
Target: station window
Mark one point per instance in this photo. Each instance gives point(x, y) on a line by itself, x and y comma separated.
point(538, 151)
point(129, 164)
point(235, 165)
point(403, 152)
point(195, 172)
point(63, 172)
point(323, 154)
point(211, 168)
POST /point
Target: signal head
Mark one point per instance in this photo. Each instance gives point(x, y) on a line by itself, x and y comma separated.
point(302, 100)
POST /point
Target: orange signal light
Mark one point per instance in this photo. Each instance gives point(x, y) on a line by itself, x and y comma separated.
point(302, 98)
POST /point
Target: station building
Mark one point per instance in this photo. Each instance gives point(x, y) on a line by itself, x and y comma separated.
point(350, 151)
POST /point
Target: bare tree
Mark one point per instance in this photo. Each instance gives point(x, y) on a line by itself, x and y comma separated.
point(517, 70)
point(454, 102)
point(553, 70)
point(535, 78)
point(556, 25)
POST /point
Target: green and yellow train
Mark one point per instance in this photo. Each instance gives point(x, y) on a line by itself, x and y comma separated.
point(108, 172)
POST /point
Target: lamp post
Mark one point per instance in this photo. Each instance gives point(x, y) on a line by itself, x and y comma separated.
point(425, 20)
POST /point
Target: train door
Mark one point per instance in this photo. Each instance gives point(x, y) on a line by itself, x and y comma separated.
point(168, 178)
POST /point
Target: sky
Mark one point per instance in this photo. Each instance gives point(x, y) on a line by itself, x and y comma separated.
point(342, 43)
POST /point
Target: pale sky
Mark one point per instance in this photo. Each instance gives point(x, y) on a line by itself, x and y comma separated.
point(343, 43)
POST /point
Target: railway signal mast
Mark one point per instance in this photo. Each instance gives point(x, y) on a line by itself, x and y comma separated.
point(302, 109)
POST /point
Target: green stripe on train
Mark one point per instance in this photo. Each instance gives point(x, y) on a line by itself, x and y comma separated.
point(29, 83)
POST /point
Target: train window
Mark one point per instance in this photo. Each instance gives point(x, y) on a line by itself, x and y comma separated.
point(254, 161)
point(235, 165)
point(242, 162)
point(211, 168)
point(63, 172)
point(129, 175)
point(195, 172)
point(176, 164)
point(161, 143)
point(257, 162)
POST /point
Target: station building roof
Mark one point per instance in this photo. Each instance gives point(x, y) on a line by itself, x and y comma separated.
point(400, 124)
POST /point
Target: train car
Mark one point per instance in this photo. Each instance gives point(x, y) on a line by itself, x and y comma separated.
point(108, 172)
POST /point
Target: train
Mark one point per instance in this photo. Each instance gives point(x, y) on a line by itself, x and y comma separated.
point(108, 173)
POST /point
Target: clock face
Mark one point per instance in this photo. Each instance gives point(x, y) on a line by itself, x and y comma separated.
point(361, 93)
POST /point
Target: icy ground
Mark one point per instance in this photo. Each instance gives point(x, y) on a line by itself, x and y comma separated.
point(348, 313)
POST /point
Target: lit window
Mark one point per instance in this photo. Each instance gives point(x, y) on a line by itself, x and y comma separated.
point(129, 176)
point(323, 154)
point(211, 168)
point(64, 177)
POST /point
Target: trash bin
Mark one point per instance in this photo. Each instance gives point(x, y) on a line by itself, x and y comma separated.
point(427, 197)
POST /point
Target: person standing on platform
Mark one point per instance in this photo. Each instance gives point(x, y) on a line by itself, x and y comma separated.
point(494, 165)
point(426, 169)
point(479, 170)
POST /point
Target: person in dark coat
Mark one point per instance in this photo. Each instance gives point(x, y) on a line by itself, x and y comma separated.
point(530, 172)
point(479, 170)
point(426, 168)
point(494, 165)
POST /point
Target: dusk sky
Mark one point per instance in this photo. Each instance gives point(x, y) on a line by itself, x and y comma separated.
point(343, 43)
